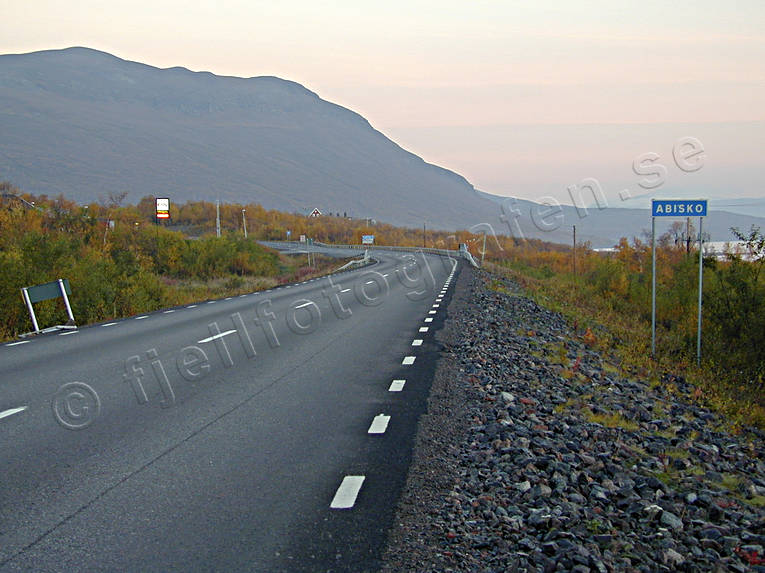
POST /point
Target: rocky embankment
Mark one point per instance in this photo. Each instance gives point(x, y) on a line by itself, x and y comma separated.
point(536, 455)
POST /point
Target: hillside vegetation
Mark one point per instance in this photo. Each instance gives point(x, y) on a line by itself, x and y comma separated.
point(120, 262)
point(609, 300)
point(127, 267)
point(133, 265)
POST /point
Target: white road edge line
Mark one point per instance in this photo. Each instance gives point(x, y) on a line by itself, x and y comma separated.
point(397, 386)
point(345, 496)
point(379, 424)
point(13, 411)
point(211, 338)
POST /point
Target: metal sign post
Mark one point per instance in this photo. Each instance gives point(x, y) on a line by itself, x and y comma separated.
point(653, 287)
point(701, 282)
point(676, 208)
point(53, 289)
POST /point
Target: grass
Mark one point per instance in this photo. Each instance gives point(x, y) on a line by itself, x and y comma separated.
point(625, 336)
point(611, 420)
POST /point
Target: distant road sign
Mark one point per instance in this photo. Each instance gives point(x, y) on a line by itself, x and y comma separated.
point(367, 239)
point(679, 208)
point(163, 208)
point(315, 213)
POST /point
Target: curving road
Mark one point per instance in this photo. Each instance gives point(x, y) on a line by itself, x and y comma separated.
point(267, 432)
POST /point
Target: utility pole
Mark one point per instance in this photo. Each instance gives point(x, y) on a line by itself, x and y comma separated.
point(244, 224)
point(217, 218)
point(423, 235)
point(574, 250)
point(483, 251)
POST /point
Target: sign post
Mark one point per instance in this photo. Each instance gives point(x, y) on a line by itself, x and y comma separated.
point(677, 208)
point(53, 289)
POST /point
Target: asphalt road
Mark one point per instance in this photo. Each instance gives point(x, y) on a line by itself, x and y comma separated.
point(267, 432)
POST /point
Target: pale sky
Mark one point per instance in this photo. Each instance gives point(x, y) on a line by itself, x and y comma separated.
point(522, 98)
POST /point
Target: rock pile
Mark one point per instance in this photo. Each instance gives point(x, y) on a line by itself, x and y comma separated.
point(537, 455)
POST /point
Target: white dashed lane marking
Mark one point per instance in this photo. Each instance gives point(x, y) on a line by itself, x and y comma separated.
point(397, 386)
point(69, 332)
point(346, 290)
point(345, 496)
point(432, 311)
point(192, 306)
point(423, 329)
point(417, 342)
point(428, 320)
point(13, 411)
point(109, 324)
point(304, 304)
point(379, 424)
point(211, 338)
point(142, 317)
point(408, 360)
point(168, 311)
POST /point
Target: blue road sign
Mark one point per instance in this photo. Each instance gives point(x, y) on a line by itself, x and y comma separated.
point(679, 208)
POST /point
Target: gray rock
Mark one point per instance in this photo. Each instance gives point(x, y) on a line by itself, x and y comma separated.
point(672, 558)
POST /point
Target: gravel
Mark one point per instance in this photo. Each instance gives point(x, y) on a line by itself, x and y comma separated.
point(535, 455)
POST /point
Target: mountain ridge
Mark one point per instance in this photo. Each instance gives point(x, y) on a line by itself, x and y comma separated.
point(84, 123)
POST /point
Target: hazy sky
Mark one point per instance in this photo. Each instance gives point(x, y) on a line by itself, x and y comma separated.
point(522, 98)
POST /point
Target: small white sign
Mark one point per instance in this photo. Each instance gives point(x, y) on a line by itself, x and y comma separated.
point(163, 208)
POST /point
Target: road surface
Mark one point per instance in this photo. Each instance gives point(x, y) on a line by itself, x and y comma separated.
point(266, 432)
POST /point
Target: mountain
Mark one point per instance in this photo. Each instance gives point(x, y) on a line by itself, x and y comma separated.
point(603, 226)
point(85, 123)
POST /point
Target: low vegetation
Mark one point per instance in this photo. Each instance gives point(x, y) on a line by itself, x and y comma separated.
point(124, 267)
point(609, 301)
point(120, 262)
